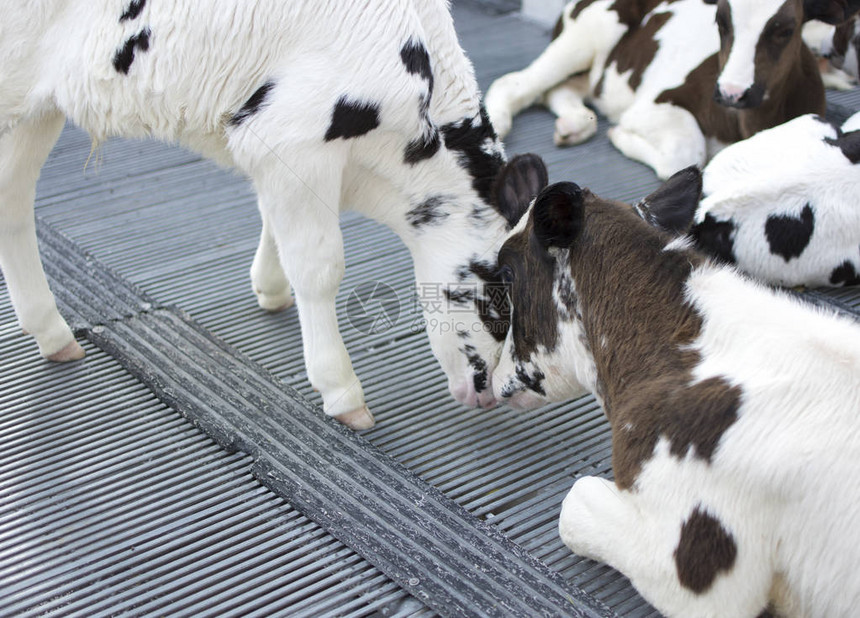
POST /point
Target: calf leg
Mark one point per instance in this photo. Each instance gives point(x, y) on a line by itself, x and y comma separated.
point(510, 94)
point(299, 203)
point(665, 137)
point(268, 280)
point(23, 151)
point(576, 122)
point(600, 521)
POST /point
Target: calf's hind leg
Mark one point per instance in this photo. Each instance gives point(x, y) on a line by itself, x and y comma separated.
point(600, 521)
point(23, 151)
point(576, 122)
point(268, 280)
point(665, 137)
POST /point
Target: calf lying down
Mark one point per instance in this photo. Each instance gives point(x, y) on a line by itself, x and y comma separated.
point(733, 409)
point(676, 86)
point(782, 205)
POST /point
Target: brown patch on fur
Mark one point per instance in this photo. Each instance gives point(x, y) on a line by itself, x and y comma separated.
point(704, 550)
point(632, 292)
point(696, 95)
point(842, 39)
point(558, 28)
point(532, 284)
point(630, 12)
point(635, 51)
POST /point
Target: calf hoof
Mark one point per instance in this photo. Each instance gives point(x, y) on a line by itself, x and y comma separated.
point(357, 419)
point(572, 130)
point(586, 510)
point(275, 302)
point(71, 352)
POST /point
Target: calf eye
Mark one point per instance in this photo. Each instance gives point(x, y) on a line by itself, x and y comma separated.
point(782, 32)
point(506, 274)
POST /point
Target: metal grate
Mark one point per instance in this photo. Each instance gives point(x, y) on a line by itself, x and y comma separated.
point(111, 503)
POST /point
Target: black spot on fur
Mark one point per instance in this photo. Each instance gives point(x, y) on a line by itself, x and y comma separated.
point(123, 57)
point(428, 212)
point(422, 148)
point(716, 238)
point(417, 62)
point(849, 144)
point(533, 382)
point(134, 9)
point(416, 59)
point(475, 143)
point(704, 550)
point(459, 297)
point(252, 105)
point(479, 366)
point(789, 236)
point(352, 119)
point(845, 274)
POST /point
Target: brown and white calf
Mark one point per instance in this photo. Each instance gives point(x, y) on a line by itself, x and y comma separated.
point(369, 105)
point(733, 408)
point(676, 87)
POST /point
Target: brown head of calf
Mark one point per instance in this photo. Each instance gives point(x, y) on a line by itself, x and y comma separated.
point(764, 74)
point(599, 301)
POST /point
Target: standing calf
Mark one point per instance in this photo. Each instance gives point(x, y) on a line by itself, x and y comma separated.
point(733, 410)
point(369, 105)
point(676, 86)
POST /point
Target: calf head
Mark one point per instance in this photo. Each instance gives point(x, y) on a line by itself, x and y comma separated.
point(579, 270)
point(467, 311)
point(760, 43)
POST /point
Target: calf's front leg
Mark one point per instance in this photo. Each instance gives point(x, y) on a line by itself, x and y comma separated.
point(23, 151)
point(299, 204)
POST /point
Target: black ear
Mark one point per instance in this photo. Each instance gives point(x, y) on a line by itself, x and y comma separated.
point(830, 11)
point(558, 214)
point(849, 143)
point(519, 181)
point(672, 206)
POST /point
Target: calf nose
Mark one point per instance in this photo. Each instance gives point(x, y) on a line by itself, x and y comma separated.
point(464, 392)
point(727, 93)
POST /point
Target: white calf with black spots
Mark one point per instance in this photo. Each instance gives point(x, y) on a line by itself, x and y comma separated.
point(733, 409)
point(676, 86)
point(782, 205)
point(323, 106)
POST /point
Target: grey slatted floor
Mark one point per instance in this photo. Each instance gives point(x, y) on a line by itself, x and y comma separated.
point(185, 232)
point(111, 503)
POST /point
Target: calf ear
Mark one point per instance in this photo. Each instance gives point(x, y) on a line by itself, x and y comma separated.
point(519, 181)
point(673, 205)
point(558, 215)
point(830, 11)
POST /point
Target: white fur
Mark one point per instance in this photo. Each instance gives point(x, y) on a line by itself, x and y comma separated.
point(204, 61)
point(778, 172)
